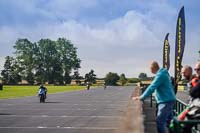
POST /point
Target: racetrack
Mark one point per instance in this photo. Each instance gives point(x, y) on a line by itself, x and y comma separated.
point(93, 111)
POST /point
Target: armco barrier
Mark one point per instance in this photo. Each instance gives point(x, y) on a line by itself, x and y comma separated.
point(178, 124)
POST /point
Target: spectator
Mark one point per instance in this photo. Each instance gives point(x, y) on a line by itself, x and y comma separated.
point(187, 72)
point(195, 90)
point(197, 69)
point(164, 94)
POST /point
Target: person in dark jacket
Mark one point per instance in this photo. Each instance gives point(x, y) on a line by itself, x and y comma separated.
point(186, 72)
point(194, 92)
point(197, 69)
point(195, 89)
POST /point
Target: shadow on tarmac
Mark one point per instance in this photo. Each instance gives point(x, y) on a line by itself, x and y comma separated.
point(53, 102)
point(4, 114)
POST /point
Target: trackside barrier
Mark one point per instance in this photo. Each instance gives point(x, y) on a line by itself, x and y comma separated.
point(133, 122)
point(178, 125)
point(179, 107)
point(143, 88)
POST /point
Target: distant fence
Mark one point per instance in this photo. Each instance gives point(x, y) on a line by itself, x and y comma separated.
point(181, 86)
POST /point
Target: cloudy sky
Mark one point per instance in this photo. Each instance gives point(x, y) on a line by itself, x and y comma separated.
point(121, 36)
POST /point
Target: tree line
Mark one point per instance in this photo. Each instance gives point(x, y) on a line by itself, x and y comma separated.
point(43, 61)
point(51, 61)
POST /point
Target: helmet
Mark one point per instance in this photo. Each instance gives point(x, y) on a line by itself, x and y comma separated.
point(195, 81)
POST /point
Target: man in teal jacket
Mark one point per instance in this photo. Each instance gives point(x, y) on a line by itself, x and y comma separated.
point(164, 94)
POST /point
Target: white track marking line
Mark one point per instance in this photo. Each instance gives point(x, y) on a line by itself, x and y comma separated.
point(63, 116)
point(56, 109)
point(58, 104)
point(58, 127)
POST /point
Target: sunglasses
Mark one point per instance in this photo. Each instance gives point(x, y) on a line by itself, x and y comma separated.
point(197, 69)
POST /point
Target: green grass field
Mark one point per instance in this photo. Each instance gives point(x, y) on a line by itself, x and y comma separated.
point(22, 91)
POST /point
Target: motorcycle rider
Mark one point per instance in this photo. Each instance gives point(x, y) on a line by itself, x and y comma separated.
point(42, 88)
point(104, 85)
point(88, 85)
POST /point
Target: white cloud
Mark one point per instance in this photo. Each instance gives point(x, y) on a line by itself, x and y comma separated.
point(125, 44)
point(98, 47)
point(8, 38)
point(69, 8)
point(127, 30)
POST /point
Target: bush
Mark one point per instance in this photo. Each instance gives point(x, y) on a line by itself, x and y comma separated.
point(134, 80)
point(111, 78)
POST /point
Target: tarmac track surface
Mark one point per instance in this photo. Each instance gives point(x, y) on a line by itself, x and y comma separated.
point(93, 111)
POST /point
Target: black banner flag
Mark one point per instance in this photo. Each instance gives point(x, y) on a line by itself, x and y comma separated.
point(180, 44)
point(166, 52)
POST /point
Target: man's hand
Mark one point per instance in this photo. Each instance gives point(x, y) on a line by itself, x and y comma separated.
point(136, 98)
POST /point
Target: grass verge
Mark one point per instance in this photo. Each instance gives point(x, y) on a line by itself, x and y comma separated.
point(23, 91)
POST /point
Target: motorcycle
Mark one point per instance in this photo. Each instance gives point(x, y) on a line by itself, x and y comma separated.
point(104, 87)
point(42, 95)
point(88, 87)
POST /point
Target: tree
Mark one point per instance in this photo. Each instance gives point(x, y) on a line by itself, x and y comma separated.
point(10, 74)
point(77, 77)
point(123, 79)
point(142, 76)
point(67, 78)
point(67, 54)
point(46, 60)
point(111, 78)
point(90, 77)
point(25, 52)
